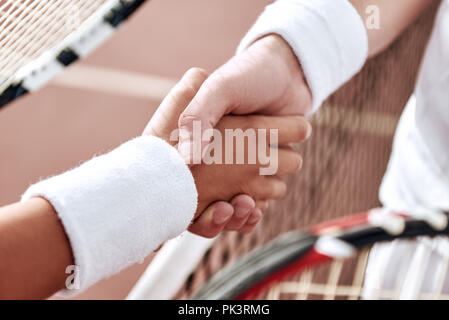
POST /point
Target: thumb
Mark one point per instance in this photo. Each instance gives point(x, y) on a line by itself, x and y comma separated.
point(206, 109)
point(165, 119)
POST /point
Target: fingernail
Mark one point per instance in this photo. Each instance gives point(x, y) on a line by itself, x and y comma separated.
point(220, 217)
point(241, 212)
point(309, 132)
point(257, 214)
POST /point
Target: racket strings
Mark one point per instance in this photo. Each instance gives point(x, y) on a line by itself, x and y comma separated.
point(327, 282)
point(28, 28)
point(18, 42)
point(323, 283)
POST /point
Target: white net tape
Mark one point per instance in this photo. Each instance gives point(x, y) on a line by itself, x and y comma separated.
point(29, 28)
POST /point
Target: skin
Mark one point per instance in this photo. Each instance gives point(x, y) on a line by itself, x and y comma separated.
point(34, 248)
point(395, 17)
point(34, 251)
point(246, 179)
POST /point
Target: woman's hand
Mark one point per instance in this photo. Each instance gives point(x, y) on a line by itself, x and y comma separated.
point(220, 181)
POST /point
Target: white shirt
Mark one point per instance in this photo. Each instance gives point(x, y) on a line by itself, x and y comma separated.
point(418, 172)
point(418, 175)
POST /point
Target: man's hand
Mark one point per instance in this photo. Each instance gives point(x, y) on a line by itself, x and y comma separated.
point(265, 79)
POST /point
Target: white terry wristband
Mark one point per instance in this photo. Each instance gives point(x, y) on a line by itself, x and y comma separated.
point(119, 207)
point(327, 36)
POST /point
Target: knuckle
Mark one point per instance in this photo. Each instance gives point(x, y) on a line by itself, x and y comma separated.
point(197, 73)
point(221, 83)
point(182, 91)
point(221, 77)
point(193, 79)
point(187, 88)
point(217, 82)
point(186, 119)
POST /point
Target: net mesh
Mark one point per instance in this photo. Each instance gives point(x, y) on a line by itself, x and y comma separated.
point(343, 163)
point(28, 28)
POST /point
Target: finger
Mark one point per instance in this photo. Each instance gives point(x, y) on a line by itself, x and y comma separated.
point(253, 220)
point(243, 205)
point(165, 119)
point(290, 129)
point(206, 109)
point(243, 201)
point(267, 187)
point(289, 161)
point(212, 221)
point(282, 161)
point(279, 130)
point(262, 205)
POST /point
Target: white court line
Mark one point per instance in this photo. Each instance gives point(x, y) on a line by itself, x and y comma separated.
point(115, 82)
point(148, 86)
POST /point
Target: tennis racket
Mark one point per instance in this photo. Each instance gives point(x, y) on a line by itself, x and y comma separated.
point(39, 38)
point(317, 264)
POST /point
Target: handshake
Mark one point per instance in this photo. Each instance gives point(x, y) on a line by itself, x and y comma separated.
point(233, 129)
point(238, 166)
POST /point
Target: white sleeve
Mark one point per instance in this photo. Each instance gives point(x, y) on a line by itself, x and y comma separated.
point(327, 36)
point(119, 207)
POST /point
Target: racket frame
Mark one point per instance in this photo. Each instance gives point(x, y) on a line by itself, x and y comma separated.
point(292, 253)
point(87, 37)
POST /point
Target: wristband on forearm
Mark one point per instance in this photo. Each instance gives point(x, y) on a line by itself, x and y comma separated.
point(327, 36)
point(119, 207)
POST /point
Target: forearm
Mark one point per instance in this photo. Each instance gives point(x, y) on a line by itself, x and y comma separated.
point(34, 251)
point(112, 211)
point(393, 17)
